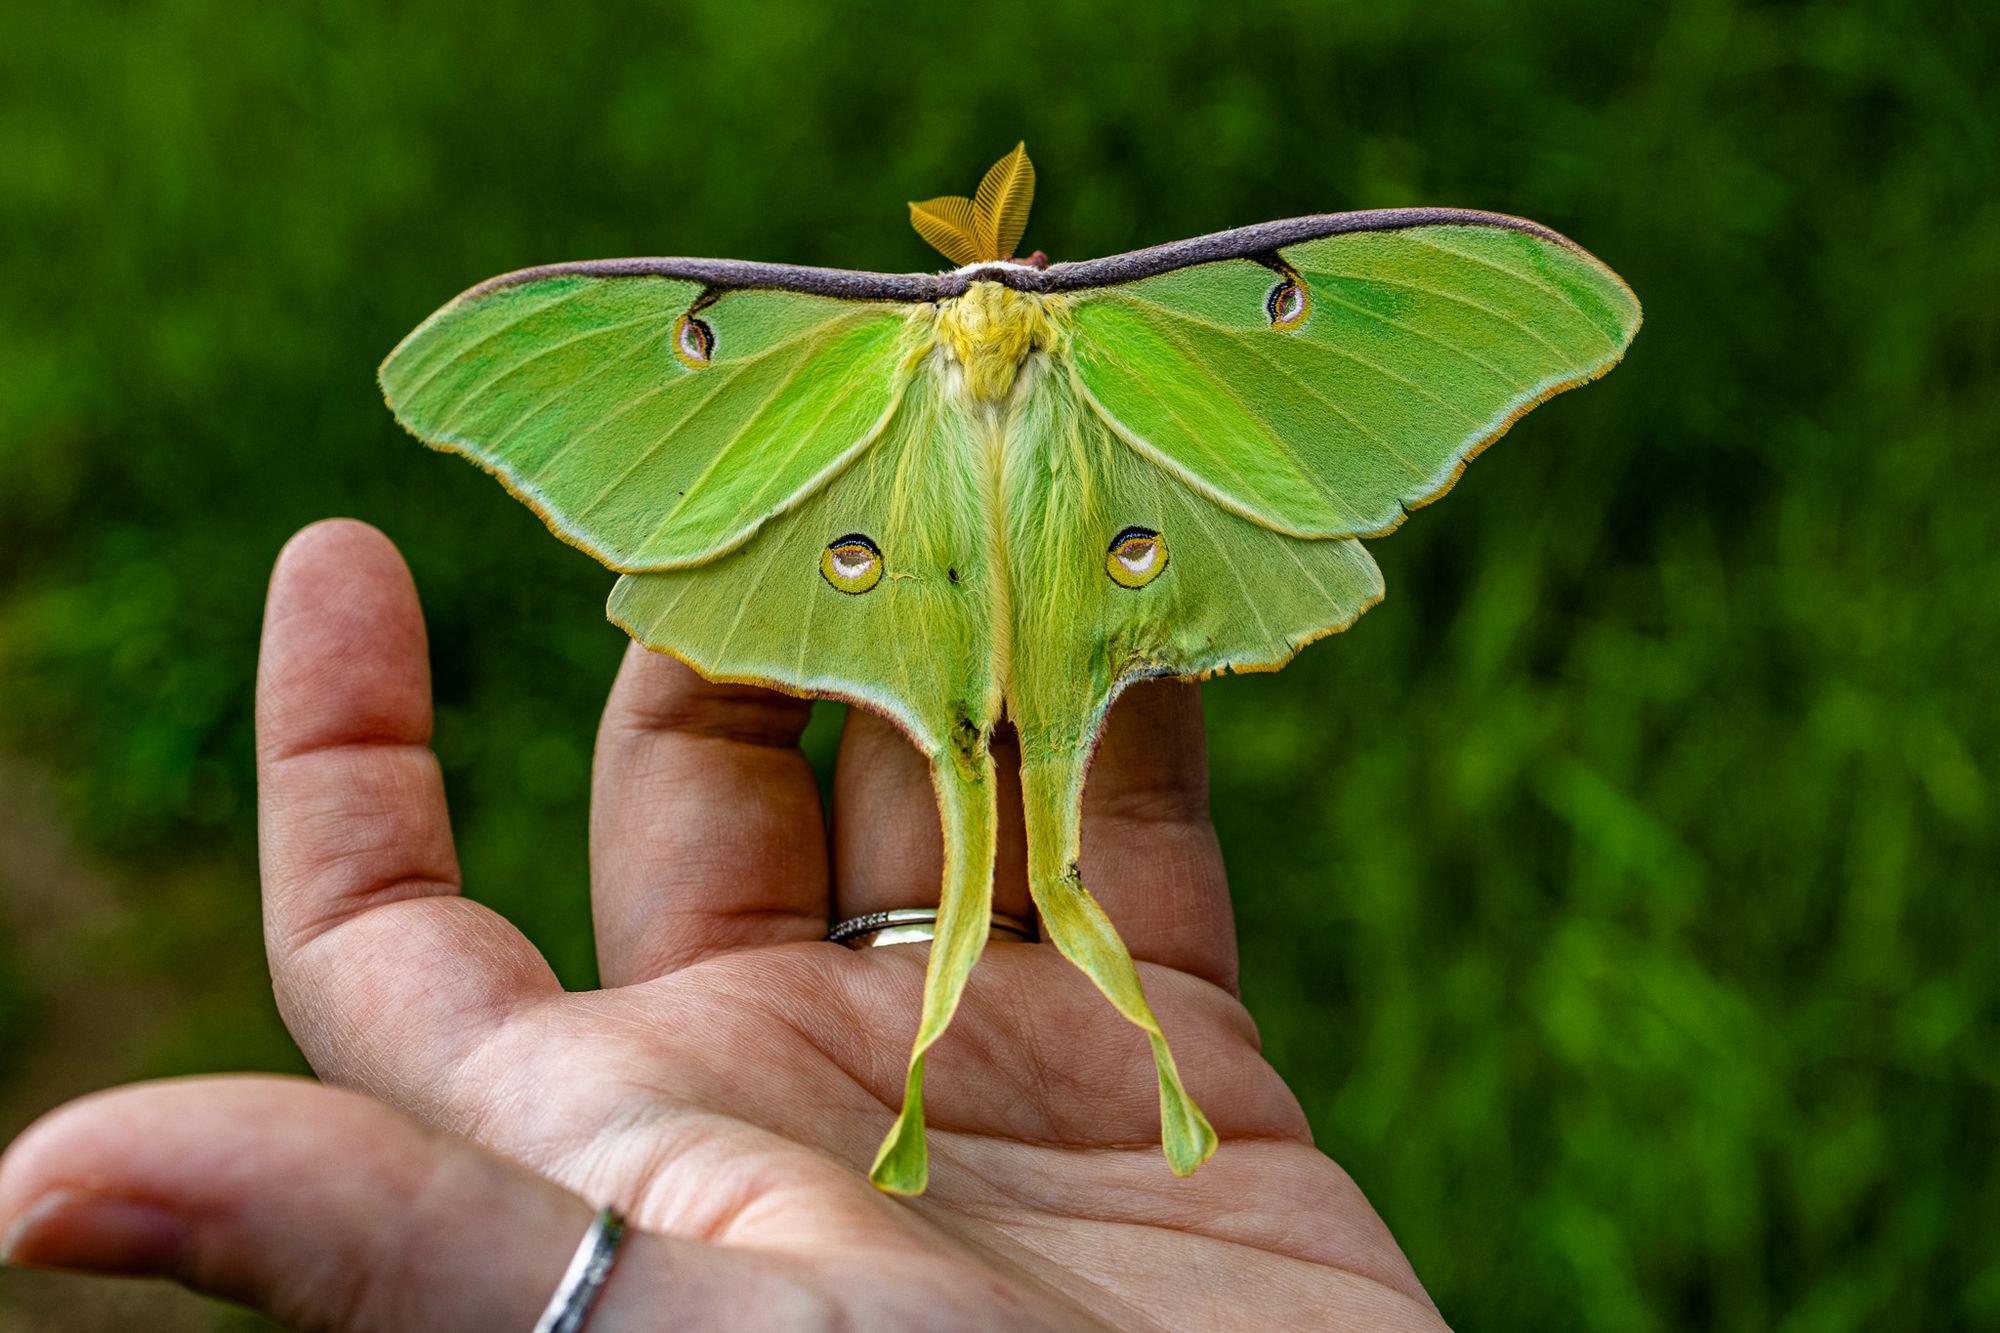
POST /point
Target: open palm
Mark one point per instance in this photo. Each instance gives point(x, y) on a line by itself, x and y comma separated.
point(729, 1085)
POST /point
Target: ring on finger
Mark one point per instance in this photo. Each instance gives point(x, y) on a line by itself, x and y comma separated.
point(569, 1309)
point(914, 925)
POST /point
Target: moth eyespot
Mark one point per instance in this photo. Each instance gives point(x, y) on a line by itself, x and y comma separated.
point(694, 342)
point(852, 564)
point(1137, 557)
point(1288, 305)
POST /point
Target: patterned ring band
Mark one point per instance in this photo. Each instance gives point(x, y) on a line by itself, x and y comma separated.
point(914, 925)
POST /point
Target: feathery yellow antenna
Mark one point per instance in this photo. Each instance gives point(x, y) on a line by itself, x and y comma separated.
point(1003, 200)
point(988, 226)
point(948, 224)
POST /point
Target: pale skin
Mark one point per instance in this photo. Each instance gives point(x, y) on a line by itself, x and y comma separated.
point(728, 1086)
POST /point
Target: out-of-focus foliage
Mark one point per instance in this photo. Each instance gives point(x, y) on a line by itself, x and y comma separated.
point(1619, 895)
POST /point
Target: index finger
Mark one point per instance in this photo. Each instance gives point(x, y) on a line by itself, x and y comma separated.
point(381, 968)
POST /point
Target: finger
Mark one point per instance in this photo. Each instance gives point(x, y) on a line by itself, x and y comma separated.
point(383, 972)
point(326, 1209)
point(1150, 855)
point(705, 826)
point(888, 843)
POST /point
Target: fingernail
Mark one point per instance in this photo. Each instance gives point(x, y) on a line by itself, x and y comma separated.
point(95, 1233)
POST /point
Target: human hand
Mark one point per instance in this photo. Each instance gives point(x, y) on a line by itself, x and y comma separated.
point(728, 1086)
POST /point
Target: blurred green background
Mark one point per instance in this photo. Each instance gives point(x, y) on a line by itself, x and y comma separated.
point(1619, 896)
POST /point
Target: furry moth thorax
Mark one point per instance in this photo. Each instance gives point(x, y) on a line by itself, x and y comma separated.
point(991, 331)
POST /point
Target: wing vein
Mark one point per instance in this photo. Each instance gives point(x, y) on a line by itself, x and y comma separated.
point(471, 395)
point(1325, 348)
point(487, 337)
point(562, 391)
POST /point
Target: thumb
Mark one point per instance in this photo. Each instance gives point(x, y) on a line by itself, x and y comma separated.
point(328, 1210)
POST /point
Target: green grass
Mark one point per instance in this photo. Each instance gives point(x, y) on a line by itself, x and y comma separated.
point(1620, 895)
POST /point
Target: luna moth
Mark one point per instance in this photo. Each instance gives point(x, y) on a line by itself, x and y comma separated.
point(1009, 490)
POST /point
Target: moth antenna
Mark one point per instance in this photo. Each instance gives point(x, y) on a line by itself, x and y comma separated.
point(1003, 200)
point(987, 227)
point(949, 224)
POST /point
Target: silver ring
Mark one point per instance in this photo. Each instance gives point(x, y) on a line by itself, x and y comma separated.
point(580, 1287)
point(914, 925)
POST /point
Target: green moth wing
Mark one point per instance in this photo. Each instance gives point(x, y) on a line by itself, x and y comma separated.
point(1122, 572)
point(1328, 386)
point(649, 420)
point(911, 635)
point(1227, 427)
point(1006, 492)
